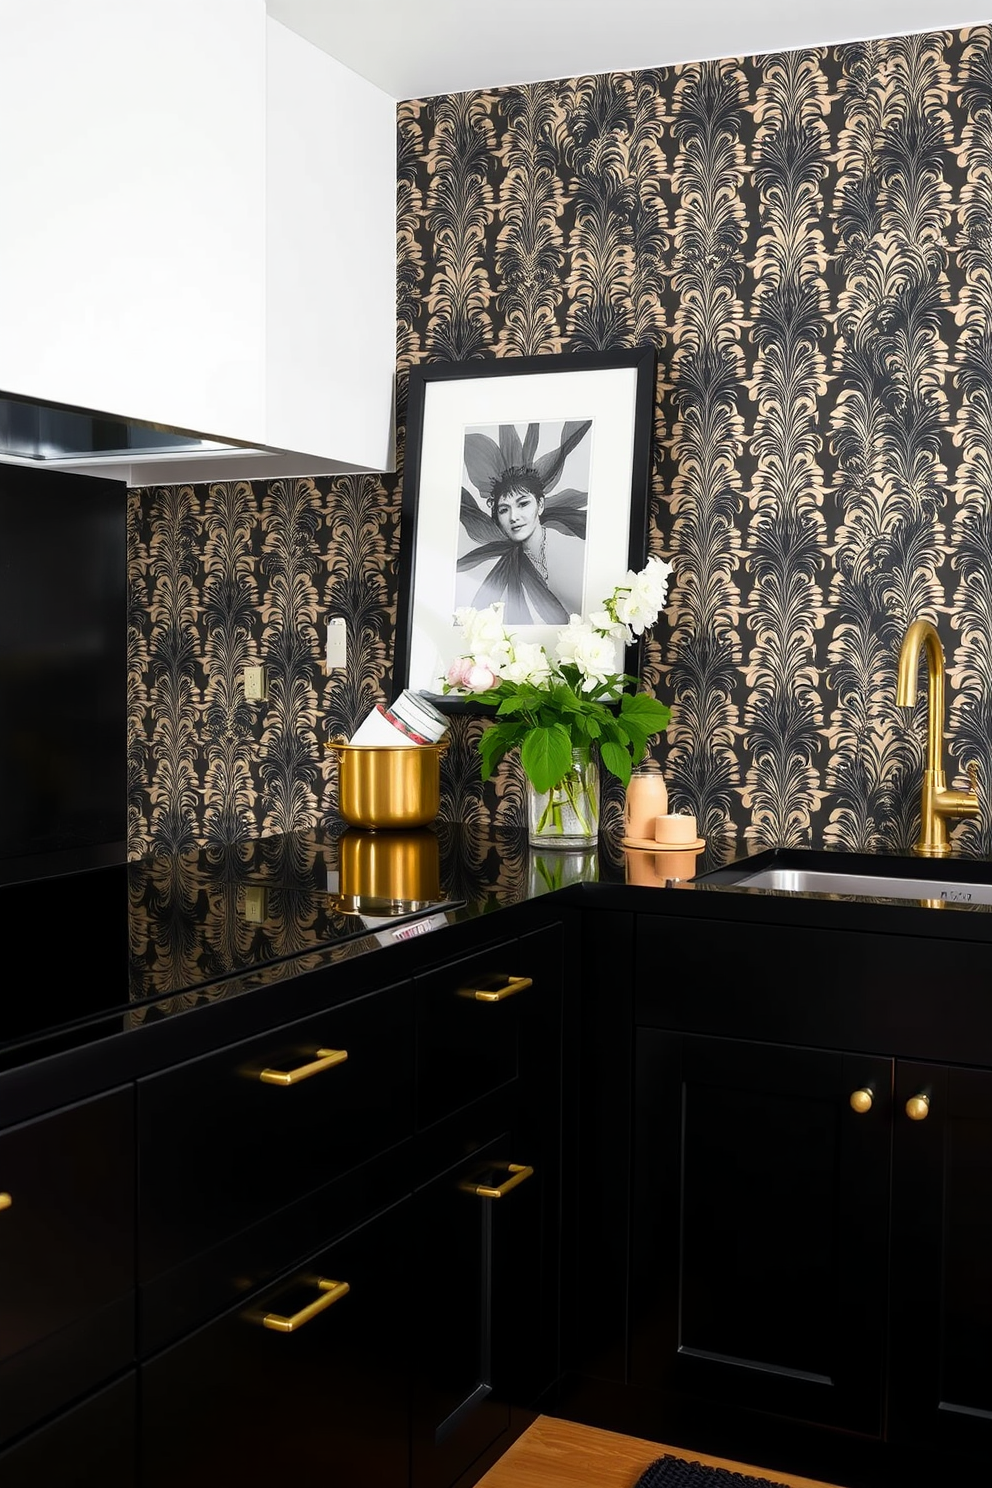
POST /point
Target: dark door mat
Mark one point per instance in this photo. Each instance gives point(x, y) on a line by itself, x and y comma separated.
point(674, 1472)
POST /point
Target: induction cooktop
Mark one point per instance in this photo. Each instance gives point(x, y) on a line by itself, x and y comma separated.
point(139, 940)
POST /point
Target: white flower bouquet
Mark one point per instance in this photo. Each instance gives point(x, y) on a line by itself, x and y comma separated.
point(549, 706)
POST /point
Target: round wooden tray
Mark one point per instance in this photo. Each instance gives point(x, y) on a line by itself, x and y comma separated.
point(648, 844)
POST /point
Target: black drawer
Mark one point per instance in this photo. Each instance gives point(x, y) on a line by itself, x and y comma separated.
point(824, 989)
point(223, 1144)
point(468, 1025)
point(66, 1256)
point(90, 1446)
point(244, 1400)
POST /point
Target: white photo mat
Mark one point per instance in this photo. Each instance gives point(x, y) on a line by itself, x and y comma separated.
point(607, 397)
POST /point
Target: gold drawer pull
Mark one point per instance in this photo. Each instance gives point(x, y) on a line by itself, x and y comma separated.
point(518, 1174)
point(332, 1291)
point(488, 994)
point(862, 1100)
point(5, 1201)
point(326, 1059)
point(918, 1107)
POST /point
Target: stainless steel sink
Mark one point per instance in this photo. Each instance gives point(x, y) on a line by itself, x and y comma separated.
point(812, 881)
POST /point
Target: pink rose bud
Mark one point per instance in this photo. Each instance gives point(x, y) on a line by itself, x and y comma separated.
point(457, 670)
point(481, 679)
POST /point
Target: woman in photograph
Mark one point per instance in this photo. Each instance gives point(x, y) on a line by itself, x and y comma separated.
point(530, 543)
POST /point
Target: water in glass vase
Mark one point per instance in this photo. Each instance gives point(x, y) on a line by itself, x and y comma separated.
point(568, 815)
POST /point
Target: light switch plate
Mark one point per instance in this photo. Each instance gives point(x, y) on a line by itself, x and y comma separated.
point(337, 644)
point(253, 678)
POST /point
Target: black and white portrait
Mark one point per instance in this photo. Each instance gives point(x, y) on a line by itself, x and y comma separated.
point(525, 484)
point(523, 510)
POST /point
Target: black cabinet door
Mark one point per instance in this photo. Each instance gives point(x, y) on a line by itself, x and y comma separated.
point(457, 1414)
point(480, 1335)
point(66, 1256)
point(91, 1446)
point(760, 1221)
point(487, 1205)
point(245, 1401)
point(941, 1376)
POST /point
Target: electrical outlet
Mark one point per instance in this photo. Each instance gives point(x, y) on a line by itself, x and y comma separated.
point(337, 644)
point(253, 678)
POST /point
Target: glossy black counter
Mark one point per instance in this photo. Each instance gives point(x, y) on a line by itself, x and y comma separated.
point(129, 946)
point(121, 947)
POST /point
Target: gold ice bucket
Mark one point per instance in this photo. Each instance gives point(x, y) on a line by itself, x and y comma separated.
point(385, 785)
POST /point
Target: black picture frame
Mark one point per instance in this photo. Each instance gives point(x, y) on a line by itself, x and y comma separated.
point(612, 391)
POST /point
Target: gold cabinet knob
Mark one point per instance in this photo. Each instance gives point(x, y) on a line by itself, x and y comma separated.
point(918, 1107)
point(5, 1201)
point(862, 1100)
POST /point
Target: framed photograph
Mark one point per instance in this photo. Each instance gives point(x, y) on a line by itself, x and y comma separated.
point(526, 482)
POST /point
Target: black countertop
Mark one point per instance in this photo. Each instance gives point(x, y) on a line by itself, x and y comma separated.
point(125, 946)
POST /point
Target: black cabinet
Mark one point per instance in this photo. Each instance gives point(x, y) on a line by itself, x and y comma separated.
point(397, 1210)
point(760, 1226)
point(811, 1223)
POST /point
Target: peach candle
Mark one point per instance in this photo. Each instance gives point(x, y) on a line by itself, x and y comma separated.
point(646, 799)
point(675, 829)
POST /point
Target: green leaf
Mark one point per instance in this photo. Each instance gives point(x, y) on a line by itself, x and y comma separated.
point(643, 713)
point(617, 760)
point(546, 755)
point(525, 699)
point(496, 741)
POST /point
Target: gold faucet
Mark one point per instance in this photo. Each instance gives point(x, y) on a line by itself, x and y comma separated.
point(937, 802)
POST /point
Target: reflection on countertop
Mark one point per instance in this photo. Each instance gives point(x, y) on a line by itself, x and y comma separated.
point(167, 933)
point(201, 917)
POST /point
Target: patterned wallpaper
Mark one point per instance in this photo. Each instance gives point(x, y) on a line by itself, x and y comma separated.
point(807, 240)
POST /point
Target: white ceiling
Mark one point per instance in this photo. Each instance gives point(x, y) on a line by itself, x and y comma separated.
point(416, 48)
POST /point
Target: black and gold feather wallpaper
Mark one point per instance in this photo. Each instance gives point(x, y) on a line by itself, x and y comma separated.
point(807, 240)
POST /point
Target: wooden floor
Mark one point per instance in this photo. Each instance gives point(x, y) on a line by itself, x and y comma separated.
point(560, 1454)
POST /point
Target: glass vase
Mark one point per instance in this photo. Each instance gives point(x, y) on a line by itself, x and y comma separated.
point(568, 816)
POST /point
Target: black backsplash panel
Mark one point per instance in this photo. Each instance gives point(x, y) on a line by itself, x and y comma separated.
point(806, 238)
point(63, 661)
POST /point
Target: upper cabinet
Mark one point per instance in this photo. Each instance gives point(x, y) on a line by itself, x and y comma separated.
point(199, 234)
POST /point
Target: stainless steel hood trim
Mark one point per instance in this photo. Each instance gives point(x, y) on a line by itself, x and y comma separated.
point(50, 435)
point(84, 441)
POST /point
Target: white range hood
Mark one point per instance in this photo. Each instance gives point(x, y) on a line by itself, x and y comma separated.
point(199, 246)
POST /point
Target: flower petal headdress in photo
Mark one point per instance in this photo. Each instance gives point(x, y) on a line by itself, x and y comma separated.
point(496, 468)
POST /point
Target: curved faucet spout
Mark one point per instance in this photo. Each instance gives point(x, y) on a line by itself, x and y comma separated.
point(937, 803)
point(919, 635)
